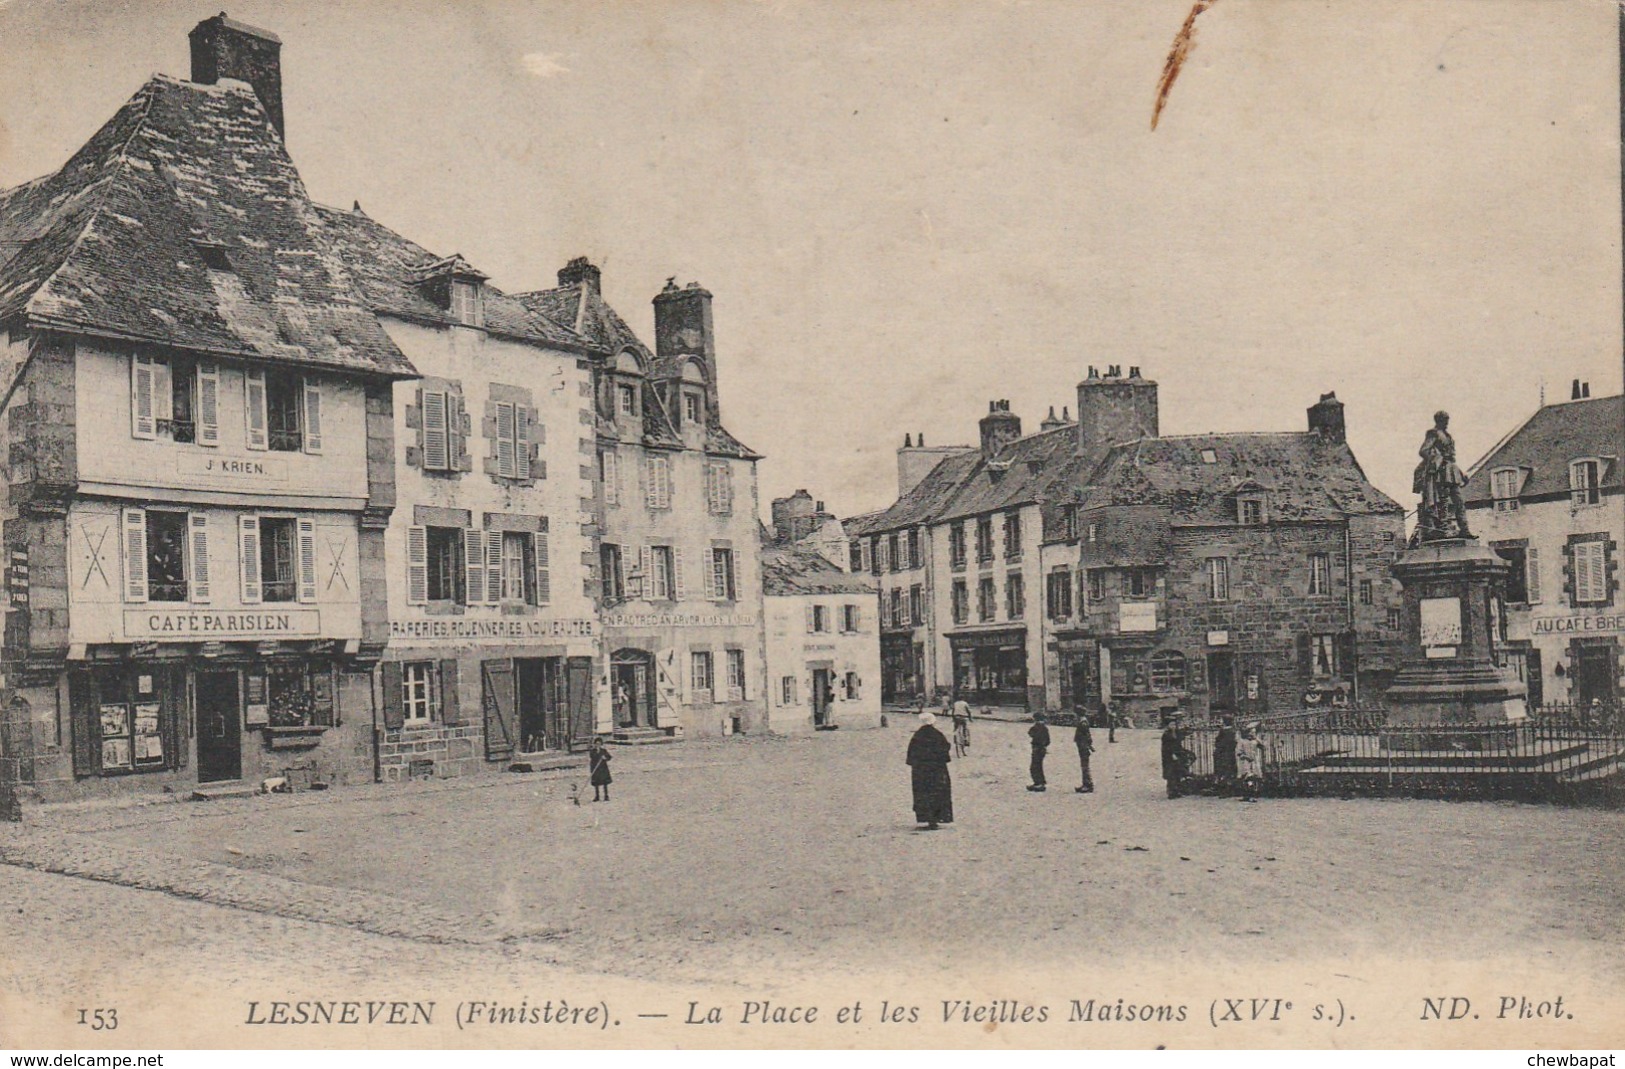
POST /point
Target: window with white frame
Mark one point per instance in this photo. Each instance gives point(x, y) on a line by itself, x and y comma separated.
point(1504, 486)
point(693, 408)
point(1058, 593)
point(1320, 574)
point(916, 605)
point(850, 618)
point(736, 675)
point(719, 488)
point(1218, 579)
point(1250, 511)
point(850, 686)
point(787, 691)
point(721, 577)
point(626, 398)
point(660, 574)
point(175, 398)
point(657, 478)
point(512, 442)
point(467, 304)
point(417, 691)
point(700, 677)
point(1323, 655)
point(1585, 483)
point(895, 606)
point(817, 619)
point(277, 556)
point(515, 561)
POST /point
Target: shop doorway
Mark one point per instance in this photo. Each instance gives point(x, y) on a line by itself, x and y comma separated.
point(632, 688)
point(1595, 668)
point(1221, 682)
point(823, 692)
point(219, 727)
point(543, 721)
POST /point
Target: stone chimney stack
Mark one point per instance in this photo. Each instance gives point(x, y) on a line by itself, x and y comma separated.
point(581, 272)
point(1000, 427)
point(225, 48)
point(683, 327)
point(1113, 408)
point(1326, 418)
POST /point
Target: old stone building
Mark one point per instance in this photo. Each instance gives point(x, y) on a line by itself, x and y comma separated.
point(823, 653)
point(1243, 573)
point(1550, 498)
point(200, 473)
point(493, 651)
point(676, 517)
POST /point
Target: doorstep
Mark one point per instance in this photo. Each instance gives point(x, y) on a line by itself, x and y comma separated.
point(546, 761)
point(235, 788)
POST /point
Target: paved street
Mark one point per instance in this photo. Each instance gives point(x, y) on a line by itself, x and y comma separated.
point(780, 858)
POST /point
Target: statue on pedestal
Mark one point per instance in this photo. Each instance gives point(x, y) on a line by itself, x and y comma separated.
point(1443, 513)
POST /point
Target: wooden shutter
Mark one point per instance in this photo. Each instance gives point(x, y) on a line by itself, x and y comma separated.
point(254, 407)
point(497, 692)
point(1532, 574)
point(307, 560)
point(248, 548)
point(677, 590)
point(711, 584)
point(208, 404)
point(394, 696)
point(544, 582)
point(197, 524)
point(726, 478)
point(612, 477)
point(456, 433)
point(435, 442)
point(84, 704)
point(417, 565)
point(143, 392)
point(646, 563)
point(313, 417)
point(505, 439)
point(474, 550)
point(522, 420)
point(1306, 656)
point(1345, 655)
point(812, 618)
point(651, 482)
point(135, 554)
point(493, 566)
point(451, 710)
point(1581, 565)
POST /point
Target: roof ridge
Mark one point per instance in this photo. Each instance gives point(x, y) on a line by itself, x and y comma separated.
point(120, 164)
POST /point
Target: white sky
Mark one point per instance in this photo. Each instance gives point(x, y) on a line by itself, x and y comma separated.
point(908, 209)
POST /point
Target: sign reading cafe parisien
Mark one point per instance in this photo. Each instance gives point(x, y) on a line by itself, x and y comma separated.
point(204, 623)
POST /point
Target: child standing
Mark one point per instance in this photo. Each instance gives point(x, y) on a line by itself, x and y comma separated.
point(598, 765)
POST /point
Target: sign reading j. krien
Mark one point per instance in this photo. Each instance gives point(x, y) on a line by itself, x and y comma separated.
point(454, 630)
point(233, 471)
point(207, 623)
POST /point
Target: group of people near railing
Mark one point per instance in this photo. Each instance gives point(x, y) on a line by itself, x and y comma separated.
point(1238, 757)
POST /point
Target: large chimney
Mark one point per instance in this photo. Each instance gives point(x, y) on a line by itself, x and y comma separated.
point(1113, 408)
point(1326, 418)
point(683, 328)
point(581, 272)
point(1000, 427)
point(225, 48)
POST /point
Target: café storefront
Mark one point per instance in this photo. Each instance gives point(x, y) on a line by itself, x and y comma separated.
point(990, 667)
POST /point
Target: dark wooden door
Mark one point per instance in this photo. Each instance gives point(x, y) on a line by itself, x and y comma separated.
point(578, 685)
point(219, 727)
point(501, 712)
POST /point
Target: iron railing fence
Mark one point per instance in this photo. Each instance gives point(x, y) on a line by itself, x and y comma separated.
point(1356, 751)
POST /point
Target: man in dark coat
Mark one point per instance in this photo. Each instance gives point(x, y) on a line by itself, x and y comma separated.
point(1040, 737)
point(1176, 758)
point(1224, 752)
point(1086, 745)
point(928, 756)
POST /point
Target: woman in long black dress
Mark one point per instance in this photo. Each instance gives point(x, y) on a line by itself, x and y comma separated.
point(928, 756)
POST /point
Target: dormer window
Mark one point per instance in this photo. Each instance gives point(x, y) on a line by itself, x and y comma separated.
point(213, 255)
point(1209, 456)
point(626, 399)
point(1585, 483)
point(1250, 511)
point(467, 303)
point(1504, 486)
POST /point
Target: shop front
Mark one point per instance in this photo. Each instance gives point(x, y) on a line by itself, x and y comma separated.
point(1076, 660)
point(902, 668)
point(990, 667)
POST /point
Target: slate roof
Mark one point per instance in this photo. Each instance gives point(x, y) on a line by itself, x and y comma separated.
point(1555, 435)
point(583, 309)
point(1307, 477)
point(789, 572)
point(116, 243)
point(928, 498)
point(1020, 474)
point(389, 270)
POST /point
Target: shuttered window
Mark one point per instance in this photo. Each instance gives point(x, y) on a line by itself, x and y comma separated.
point(248, 552)
point(417, 565)
point(719, 489)
point(143, 397)
point(208, 404)
point(256, 419)
point(507, 441)
point(1532, 574)
point(475, 558)
point(544, 581)
point(198, 529)
point(134, 528)
point(313, 417)
point(610, 469)
point(436, 451)
point(1590, 566)
point(657, 479)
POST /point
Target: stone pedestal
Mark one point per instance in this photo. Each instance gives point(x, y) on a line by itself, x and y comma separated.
point(1453, 591)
